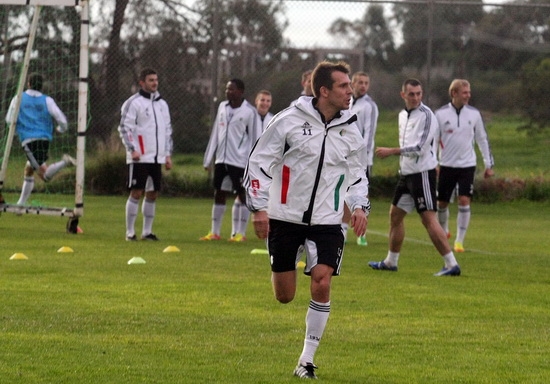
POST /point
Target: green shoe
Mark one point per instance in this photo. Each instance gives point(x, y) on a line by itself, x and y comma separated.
point(362, 240)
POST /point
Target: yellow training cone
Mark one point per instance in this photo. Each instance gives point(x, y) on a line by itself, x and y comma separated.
point(65, 250)
point(301, 264)
point(136, 260)
point(18, 256)
point(171, 248)
point(259, 251)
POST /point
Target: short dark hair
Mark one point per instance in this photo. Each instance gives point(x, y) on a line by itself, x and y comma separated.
point(146, 72)
point(322, 75)
point(36, 81)
point(238, 83)
point(412, 82)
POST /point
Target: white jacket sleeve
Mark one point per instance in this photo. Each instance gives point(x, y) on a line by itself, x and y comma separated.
point(212, 144)
point(267, 152)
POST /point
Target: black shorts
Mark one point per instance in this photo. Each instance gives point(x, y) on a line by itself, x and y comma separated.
point(37, 152)
point(235, 174)
point(416, 190)
point(323, 244)
point(450, 177)
point(144, 176)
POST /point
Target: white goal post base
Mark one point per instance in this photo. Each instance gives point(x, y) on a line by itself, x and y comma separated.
point(72, 224)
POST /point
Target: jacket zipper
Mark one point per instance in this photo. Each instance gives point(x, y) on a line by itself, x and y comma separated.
point(306, 218)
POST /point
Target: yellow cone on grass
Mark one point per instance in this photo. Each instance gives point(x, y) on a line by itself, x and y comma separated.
point(259, 251)
point(301, 264)
point(65, 250)
point(171, 248)
point(18, 256)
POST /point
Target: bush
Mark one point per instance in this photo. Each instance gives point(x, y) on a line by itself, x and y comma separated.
point(507, 189)
point(106, 170)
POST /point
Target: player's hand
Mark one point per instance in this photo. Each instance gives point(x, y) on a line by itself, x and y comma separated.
point(135, 155)
point(261, 224)
point(488, 173)
point(383, 152)
point(359, 221)
point(60, 129)
point(168, 164)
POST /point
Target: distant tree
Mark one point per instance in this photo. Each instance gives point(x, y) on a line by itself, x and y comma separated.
point(449, 34)
point(535, 91)
point(175, 37)
point(508, 37)
point(371, 34)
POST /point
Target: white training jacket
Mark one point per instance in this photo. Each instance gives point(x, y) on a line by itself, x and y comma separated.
point(301, 169)
point(263, 122)
point(367, 119)
point(459, 131)
point(145, 126)
point(417, 131)
point(233, 136)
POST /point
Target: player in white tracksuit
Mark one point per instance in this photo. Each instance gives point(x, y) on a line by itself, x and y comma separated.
point(146, 132)
point(460, 128)
point(367, 119)
point(233, 134)
point(416, 187)
point(299, 173)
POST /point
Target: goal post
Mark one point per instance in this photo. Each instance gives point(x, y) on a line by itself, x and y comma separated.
point(78, 118)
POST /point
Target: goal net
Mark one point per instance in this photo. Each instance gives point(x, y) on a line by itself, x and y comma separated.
point(48, 38)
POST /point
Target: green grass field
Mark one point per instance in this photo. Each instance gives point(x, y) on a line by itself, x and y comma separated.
point(206, 314)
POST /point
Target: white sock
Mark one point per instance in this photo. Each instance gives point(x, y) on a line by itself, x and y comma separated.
point(132, 207)
point(316, 321)
point(392, 259)
point(235, 217)
point(345, 227)
point(245, 214)
point(450, 260)
point(54, 169)
point(443, 218)
point(462, 222)
point(148, 211)
point(26, 190)
point(218, 210)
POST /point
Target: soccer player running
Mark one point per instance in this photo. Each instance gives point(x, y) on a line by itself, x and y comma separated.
point(460, 125)
point(416, 187)
point(146, 132)
point(299, 173)
point(34, 127)
point(234, 133)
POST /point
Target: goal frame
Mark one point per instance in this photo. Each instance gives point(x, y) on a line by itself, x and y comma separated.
point(78, 210)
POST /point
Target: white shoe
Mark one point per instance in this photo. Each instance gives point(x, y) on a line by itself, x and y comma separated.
point(69, 160)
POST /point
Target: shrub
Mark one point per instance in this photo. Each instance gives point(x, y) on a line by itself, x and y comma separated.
point(106, 169)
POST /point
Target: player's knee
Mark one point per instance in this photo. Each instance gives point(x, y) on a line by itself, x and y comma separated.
point(284, 297)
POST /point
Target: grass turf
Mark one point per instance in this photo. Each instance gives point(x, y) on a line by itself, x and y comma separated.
point(207, 314)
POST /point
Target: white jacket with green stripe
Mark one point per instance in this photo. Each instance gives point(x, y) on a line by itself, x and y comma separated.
point(301, 169)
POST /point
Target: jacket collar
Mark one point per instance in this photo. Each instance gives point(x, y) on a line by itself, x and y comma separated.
point(151, 96)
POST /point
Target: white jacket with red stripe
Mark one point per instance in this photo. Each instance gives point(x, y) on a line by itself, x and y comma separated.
point(145, 126)
point(301, 169)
